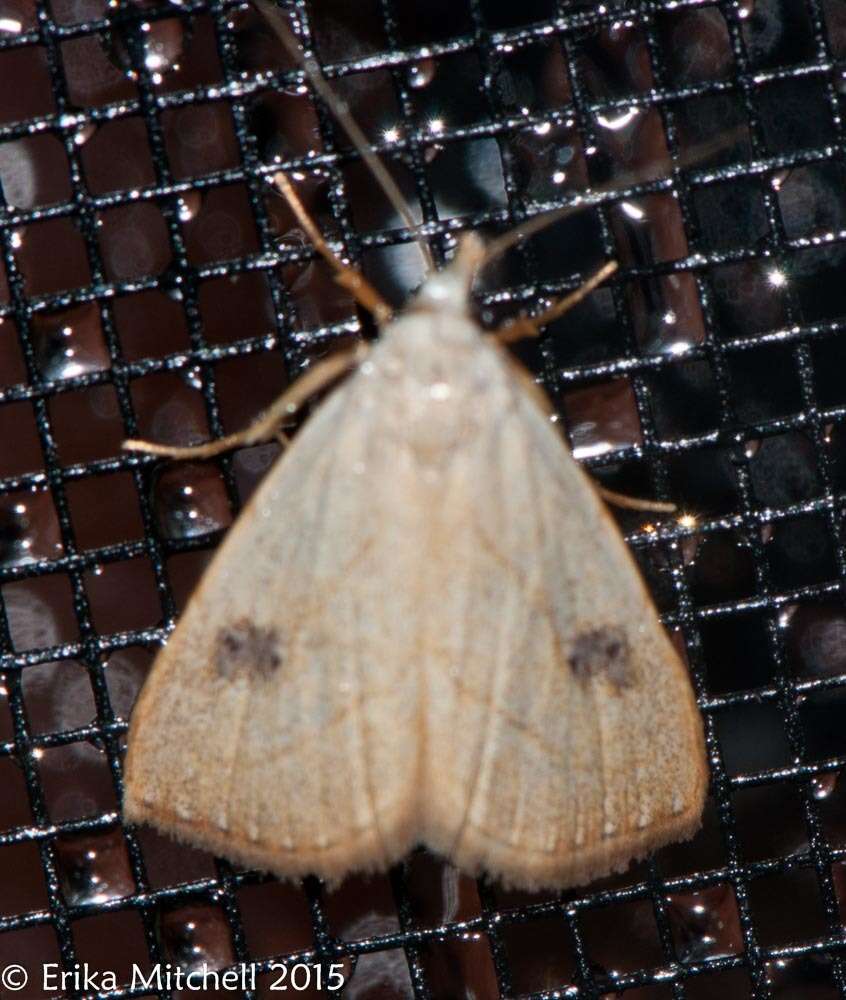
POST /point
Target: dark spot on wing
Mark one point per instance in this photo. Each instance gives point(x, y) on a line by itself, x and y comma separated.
point(604, 652)
point(247, 648)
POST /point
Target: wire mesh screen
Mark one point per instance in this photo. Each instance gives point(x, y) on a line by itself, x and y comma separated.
point(155, 285)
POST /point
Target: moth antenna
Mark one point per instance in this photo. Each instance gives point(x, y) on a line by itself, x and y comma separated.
point(341, 112)
point(594, 196)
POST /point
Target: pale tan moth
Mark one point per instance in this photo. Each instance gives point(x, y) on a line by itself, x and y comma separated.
point(424, 628)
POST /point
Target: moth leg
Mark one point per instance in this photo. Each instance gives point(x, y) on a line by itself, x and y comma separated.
point(347, 277)
point(530, 326)
point(269, 424)
point(635, 503)
point(609, 496)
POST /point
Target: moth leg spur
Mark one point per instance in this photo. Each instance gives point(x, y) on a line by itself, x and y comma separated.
point(268, 425)
point(530, 326)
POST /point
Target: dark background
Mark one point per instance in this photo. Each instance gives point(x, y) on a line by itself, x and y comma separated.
point(153, 284)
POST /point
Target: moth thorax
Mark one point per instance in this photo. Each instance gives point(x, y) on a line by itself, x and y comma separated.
point(418, 334)
point(447, 292)
point(437, 386)
point(433, 436)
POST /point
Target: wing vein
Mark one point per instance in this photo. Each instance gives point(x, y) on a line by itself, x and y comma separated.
point(474, 785)
point(535, 577)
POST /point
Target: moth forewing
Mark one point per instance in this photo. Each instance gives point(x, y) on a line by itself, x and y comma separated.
point(564, 738)
point(260, 734)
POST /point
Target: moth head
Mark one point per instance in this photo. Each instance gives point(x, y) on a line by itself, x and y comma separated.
point(448, 291)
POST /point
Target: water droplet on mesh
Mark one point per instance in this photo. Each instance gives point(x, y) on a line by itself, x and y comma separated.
point(163, 42)
point(83, 134)
point(750, 448)
point(171, 282)
point(94, 869)
point(191, 501)
point(69, 345)
point(632, 212)
point(188, 205)
point(822, 785)
point(197, 937)
point(421, 74)
point(194, 377)
point(294, 238)
point(15, 545)
point(778, 178)
point(159, 44)
point(616, 122)
point(786, 614)
point(706, 922)
point(29, 529)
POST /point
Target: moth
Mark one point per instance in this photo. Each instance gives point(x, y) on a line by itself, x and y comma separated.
point(424, 628)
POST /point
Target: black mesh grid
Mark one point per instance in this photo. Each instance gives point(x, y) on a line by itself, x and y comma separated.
point(762, 160)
